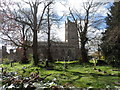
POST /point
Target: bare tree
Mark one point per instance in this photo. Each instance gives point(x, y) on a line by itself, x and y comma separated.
point(51, 20)
point(33, 19)
point(17, 35)
point(49, 43)
point(85, 21)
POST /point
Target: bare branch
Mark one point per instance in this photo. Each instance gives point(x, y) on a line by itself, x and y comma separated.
point(41, 18)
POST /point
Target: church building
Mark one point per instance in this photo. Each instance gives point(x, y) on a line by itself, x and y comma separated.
point(63, 50)
point(67, 50)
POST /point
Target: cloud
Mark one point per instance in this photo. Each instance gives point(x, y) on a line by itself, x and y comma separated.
point(61, 32)
point(0, 46)
point(60, 8)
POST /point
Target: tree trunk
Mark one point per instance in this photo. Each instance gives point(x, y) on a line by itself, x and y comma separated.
point(84, 39)
point(84, 54)
point(50, 59)
point(35, 47)
point(35, 29)
point(24, 58)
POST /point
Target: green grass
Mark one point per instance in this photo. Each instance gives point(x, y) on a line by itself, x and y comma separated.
point(75, 75)
point(63, 62)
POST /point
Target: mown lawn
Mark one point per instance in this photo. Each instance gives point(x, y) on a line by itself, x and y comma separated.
point(74, 75)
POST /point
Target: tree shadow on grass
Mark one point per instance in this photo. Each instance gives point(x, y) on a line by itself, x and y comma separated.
point(58, 70)
point(92, 74)
point(73, 80)
point(80, 75)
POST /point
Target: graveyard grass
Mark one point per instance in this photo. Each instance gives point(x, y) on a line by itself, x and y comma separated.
point(74, 75)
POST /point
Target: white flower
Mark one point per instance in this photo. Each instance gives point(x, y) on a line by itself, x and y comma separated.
point(54, 79)
point(90, 87)
point(117, 87)
point(37, 84)
point(26, 85)
point(51, 83)
point(3, 86)
point(11, 86)
point(107, 86)
point(61, 87)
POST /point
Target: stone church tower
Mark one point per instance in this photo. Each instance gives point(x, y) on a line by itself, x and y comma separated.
point(71, 34)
